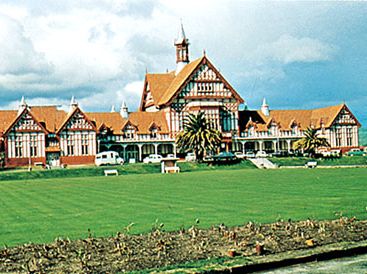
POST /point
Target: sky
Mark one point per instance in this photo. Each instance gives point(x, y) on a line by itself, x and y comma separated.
point(298, 55)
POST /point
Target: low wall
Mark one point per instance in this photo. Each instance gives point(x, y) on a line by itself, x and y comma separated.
point(77, 160)
point(14, 162)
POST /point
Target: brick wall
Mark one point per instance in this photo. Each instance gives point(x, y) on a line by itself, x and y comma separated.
point(13, 162)
point(77, 160)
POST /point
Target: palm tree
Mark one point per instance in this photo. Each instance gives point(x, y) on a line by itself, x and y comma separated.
point(198, 136)
point(310, 142)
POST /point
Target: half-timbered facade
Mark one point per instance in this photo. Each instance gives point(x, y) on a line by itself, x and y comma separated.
point(194, 86)
point(277, 130)
point(48, 135)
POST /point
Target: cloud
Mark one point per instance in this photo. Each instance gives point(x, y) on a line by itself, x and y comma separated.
point(18, 55)
point(288, 49)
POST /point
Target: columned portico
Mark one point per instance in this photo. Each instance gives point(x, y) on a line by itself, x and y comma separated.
point(289, 145)
point(275, 144)
point(140, 152)
point(260, 145)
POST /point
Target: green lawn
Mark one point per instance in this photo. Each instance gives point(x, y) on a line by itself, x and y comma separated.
point(91, 170)
point(40, 210)
point(301, 161)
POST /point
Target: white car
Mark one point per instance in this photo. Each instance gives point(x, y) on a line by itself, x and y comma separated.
point(108, 158)
point(190, 157)
point(152, 158)
point(261, 154)
point(240, 155)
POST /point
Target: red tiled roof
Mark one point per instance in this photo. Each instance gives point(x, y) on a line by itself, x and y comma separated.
point(50, 116)
point(285, 118)
point(7, 117)
point(112, 120)
point(164, 87)
point(143, 120)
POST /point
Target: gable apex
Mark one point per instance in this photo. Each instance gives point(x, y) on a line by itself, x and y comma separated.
point(186, 75)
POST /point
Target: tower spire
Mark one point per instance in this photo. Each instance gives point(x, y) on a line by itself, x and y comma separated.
point(182, 49)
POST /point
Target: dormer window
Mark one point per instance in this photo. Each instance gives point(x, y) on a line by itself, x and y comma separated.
point(129, 132)
point(154, 133)
point(251, 131)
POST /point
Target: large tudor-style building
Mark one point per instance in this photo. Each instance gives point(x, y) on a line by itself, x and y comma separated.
point(48, 135)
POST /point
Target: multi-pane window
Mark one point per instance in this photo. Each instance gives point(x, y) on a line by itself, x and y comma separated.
point(18, 146)
point(70, 145)
point(154, 133)
point(84, 144)
point(349, 137)
point(33, 145)
point(129, 132)
point(338, 137)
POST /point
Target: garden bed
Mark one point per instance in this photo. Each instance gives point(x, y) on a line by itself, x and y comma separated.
point(167, 250)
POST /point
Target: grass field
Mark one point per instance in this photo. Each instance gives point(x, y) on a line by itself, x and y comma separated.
point(42, 209)
point(91, 170)
point(300, 161)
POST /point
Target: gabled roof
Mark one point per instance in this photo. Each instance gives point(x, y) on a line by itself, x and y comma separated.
point(20, 115)
point(112, 120)
point(165, 87)
point(144, 119)
point(179, 80)
point(286, 118)
point(50, 116)
point(159, 83)
point(70, 115)
point(7, 117)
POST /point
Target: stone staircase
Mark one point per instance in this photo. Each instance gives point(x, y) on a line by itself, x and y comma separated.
point(263, 163)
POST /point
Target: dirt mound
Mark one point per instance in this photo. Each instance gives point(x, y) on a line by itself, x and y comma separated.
point(159, 249)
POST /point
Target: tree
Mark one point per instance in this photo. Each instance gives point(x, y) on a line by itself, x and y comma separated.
point(198, 136)
point(311, 142)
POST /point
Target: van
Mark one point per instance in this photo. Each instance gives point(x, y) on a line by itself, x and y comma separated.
point(108, 158)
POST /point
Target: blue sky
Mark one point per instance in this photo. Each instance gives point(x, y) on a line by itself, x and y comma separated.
point(296, 54)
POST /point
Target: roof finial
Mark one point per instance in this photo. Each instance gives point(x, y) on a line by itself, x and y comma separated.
point(204, 52)
point(22, 105)
point(73, 104)
point(124, 111)
point(22, 102)
point(265, 108)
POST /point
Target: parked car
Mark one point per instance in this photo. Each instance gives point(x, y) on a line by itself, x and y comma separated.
point(190, 157)
point(108, 158)
point(171, 156)
point(250, 154)
point(240, 155)
point(281, 153)
point(356, 152)
point(152, 158)
point(225, 158)
point(261, 154)
point(330, 153)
